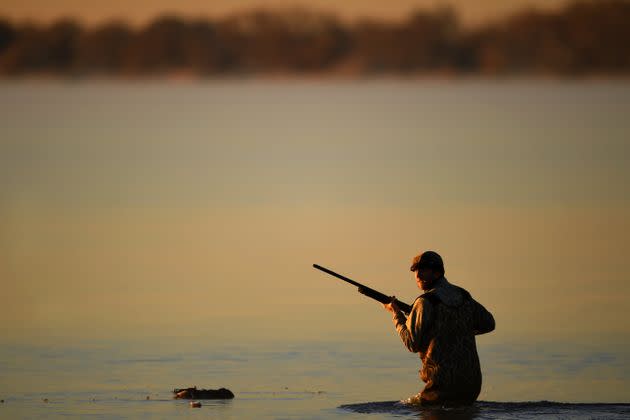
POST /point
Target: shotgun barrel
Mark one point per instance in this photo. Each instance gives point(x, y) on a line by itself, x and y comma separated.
point(367, 291)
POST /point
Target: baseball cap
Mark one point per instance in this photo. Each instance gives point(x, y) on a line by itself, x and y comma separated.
point(428, 259)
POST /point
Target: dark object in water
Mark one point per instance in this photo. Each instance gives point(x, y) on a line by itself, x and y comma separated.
point(203, 394)
point(195, 404)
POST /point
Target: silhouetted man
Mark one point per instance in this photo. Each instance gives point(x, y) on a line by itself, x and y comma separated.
point(441, 327)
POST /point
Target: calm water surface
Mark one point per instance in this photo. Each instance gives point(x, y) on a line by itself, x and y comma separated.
point(292, 381)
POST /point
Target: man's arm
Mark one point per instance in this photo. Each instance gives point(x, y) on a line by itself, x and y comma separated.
point(410, 329)
point(482, 319)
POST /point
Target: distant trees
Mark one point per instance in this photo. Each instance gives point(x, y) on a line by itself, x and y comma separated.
point(7, 34)
point(584, 38)
point(103, 49)
point(290, 41)
point(34, 49)
point(425, 42)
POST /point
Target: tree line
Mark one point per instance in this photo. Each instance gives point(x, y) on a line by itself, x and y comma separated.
point(586, 37)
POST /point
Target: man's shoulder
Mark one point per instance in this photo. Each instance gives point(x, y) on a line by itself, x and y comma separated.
point(460, 289)
point(430, 297)
point(464, 292)
point(452, 295)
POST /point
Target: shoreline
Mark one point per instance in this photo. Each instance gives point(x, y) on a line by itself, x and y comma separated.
point(179, 78)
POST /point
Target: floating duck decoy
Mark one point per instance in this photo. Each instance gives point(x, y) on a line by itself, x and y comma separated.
point(203, 394)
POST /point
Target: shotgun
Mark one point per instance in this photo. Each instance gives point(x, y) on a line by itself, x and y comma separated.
point(367, 291)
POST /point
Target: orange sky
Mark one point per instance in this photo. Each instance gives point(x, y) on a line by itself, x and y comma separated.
point(139, 11)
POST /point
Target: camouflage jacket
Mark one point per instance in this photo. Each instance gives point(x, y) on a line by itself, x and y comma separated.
point(441, 327)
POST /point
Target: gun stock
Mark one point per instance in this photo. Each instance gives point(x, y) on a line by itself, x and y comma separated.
point(367, 291)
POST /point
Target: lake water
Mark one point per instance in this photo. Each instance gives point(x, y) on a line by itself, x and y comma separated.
point(159, 235)
point(279, 381)
point(308, 380)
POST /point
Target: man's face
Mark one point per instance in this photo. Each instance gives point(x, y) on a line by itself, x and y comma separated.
point(426, 277)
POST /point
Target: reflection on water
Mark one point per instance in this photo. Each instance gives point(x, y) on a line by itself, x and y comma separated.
point(399, 408)
point(495, 410)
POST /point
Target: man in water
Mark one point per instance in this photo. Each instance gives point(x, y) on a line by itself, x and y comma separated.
point(441, 327)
